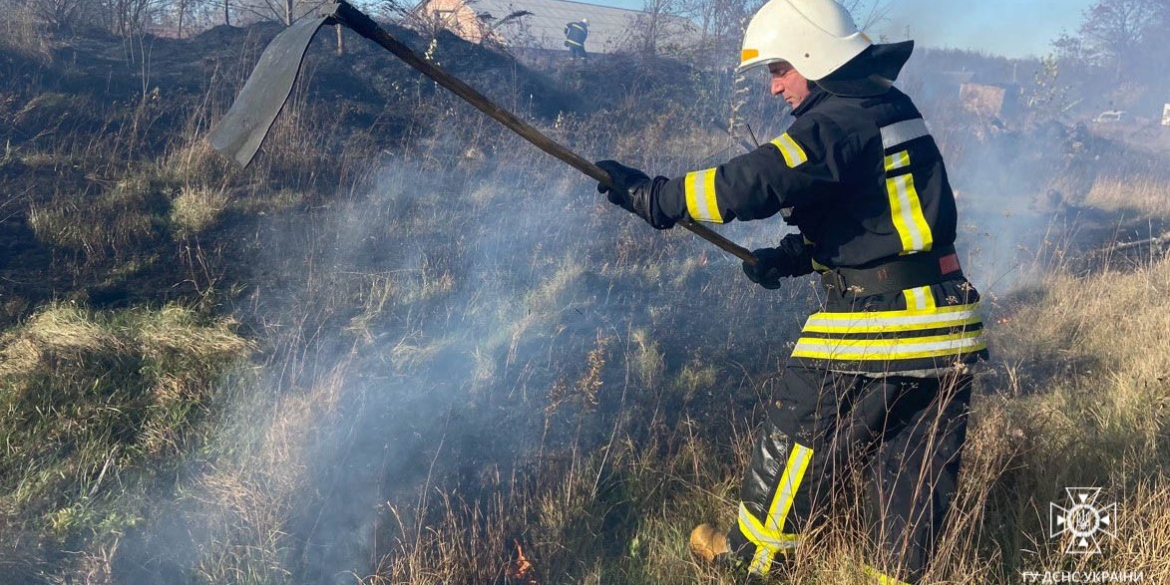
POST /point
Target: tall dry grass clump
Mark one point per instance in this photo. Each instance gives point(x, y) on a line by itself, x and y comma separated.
point(1145, 194)
point(196, 209)
point(120, 220)
point(22, 32)
point(93, 405)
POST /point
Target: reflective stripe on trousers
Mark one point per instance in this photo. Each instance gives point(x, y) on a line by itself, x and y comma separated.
point(768, 536)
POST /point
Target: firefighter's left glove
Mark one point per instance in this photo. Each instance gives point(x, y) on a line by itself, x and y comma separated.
point(635, 192)
point(791, 258)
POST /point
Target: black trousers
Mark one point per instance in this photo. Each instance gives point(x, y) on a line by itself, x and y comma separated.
point(907, 432)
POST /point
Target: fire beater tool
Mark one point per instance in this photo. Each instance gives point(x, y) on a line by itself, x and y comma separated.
point(240, 132)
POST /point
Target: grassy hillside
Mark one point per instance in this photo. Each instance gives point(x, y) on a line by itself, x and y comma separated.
point(405, 347)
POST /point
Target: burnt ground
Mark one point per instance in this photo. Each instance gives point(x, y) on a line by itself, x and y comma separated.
point(100, 108)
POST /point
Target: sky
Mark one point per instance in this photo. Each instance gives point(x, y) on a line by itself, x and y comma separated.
point(1012, 28)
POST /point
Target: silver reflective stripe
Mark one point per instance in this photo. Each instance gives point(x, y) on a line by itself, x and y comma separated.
point(861, 320)
point(702, 198)
point(907, 198)
point(919, 297)
point(895, 351)
point(748, 521)
point(794, 155)
point(903, 132)
point(789, 482)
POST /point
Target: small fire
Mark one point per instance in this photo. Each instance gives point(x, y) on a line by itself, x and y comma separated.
point(520, 570)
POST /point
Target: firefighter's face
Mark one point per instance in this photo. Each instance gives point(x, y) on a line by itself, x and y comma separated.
point(788, 83)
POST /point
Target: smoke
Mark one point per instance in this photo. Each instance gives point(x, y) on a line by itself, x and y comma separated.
point(468, 312)
point(435, 324)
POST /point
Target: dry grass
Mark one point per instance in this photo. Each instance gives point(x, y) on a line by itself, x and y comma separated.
point(21, 32)
point(196, 209)
point(91, 403)
point(1145, 194)
point(1081, 400)
point(528, 375)
point(128, 215)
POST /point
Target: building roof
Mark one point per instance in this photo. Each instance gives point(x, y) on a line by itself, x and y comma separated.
point(610, 29)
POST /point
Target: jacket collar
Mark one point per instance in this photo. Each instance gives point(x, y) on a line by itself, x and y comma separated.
point(816, 96)
point(871, 73)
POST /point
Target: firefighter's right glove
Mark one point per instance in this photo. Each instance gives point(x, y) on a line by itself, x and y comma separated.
point(791, 258)
point(635, 192)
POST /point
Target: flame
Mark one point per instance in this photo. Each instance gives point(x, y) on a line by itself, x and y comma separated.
point(520, 569)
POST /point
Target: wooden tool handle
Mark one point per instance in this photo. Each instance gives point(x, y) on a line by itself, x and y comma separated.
point(365, 26)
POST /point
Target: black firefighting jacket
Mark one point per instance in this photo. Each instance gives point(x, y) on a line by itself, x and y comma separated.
point(865, 183)
point(575, 33)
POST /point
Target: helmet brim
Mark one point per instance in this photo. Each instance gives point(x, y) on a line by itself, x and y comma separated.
point(756, 63)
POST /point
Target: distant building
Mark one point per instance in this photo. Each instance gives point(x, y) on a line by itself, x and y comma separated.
point(1166, 115)
point(990, 101)
point(610, 29)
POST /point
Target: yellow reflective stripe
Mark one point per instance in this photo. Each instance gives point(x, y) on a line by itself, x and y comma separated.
point(751, 529)
point(899, 160)
point(919, 218)
point(919, 299)
point(760, 536)
point(889, 349)
point(896, 343)
point(897, 315)
point(906, 212)
point(894, 321)
point(794, 155)
point(702, 204)
point(767, 544)
point(862, 327)
point(882, 578)
point(906, 207)
point(798, 462)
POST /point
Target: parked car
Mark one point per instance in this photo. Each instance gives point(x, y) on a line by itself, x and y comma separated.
point(1111, 117)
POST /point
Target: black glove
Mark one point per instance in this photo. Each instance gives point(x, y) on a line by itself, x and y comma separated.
point(635, 192)
point(791, 258)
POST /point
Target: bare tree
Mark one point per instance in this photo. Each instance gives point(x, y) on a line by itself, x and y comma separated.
point(868, 13)
point(60, 14)
point(283, 11)
point(1114, 31)
point(182, 8)
point(128, 17)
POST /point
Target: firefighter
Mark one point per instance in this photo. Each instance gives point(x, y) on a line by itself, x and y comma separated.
point(880, 377)
point(575, 35)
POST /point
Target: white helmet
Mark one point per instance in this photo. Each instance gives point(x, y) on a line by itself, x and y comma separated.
point(816, 36)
